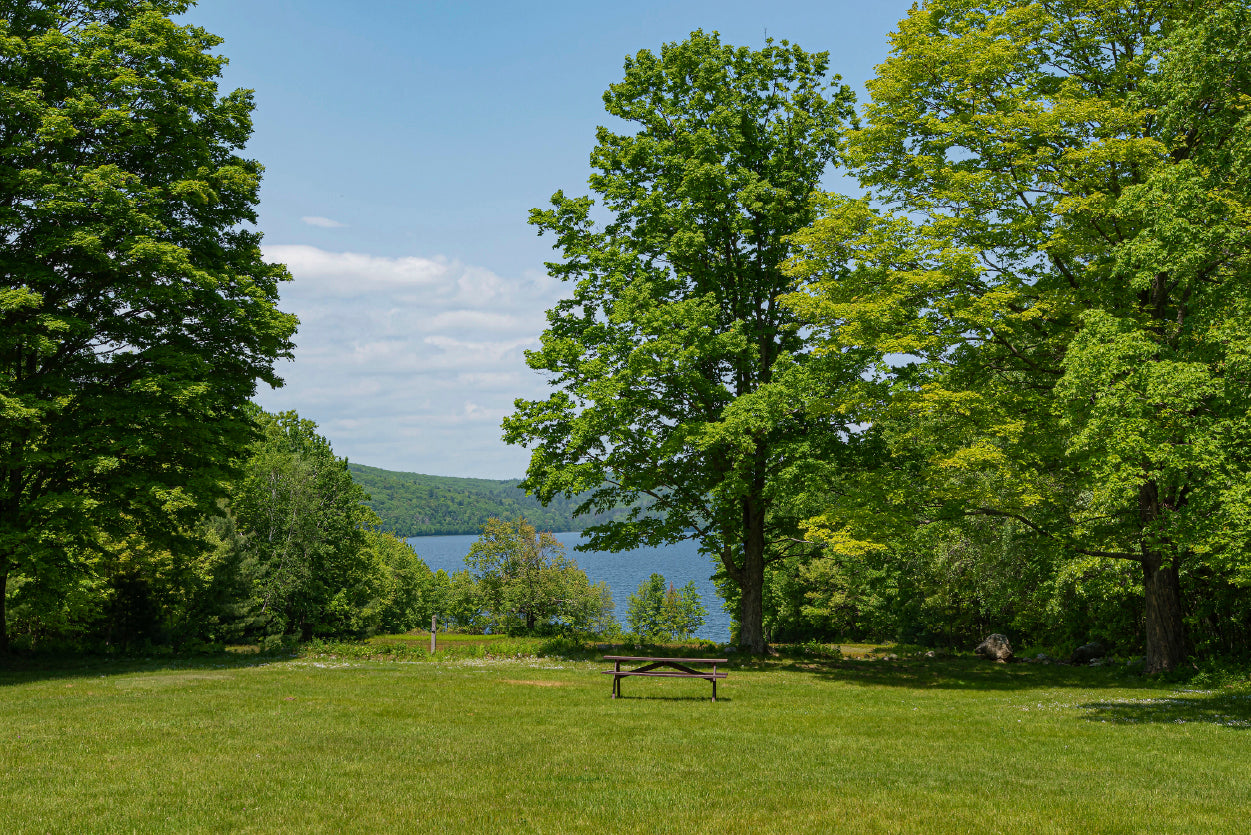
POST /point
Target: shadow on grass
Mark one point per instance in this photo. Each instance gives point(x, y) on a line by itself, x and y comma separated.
point(919, 673)
point(912, 673)
point(1178, 708)
point(29, 668)
point(720, 699)
point(16, 670)
point(960, 674)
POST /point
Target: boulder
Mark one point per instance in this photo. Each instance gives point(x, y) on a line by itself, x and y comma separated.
point(1087, 653)
point(996, 647)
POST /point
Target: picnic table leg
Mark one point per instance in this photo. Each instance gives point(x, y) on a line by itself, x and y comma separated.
point(714, 682)
point(616, 680)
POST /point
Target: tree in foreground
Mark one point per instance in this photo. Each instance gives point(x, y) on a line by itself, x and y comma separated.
point(657, 614)
point(136, 312)
point(525, 580)
point(673, 317)
point(1068, 264)
point(404, 592)
point(304, 522)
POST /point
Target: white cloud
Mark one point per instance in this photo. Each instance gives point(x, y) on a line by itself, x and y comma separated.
point(410, 363)
point(474, 412)
point(348, 273)
point(507, 380)
point(465, 319)
point(323, 222)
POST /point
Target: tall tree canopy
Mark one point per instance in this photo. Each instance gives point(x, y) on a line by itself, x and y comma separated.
point(1068, 264)
point(673, 315)
point(136, 312)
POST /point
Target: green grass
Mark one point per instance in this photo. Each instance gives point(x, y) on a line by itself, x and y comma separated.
point(324, 743)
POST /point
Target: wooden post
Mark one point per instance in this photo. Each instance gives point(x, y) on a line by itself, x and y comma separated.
point(434, 622)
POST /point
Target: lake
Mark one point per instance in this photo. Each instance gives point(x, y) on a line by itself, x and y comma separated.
point(622, 571)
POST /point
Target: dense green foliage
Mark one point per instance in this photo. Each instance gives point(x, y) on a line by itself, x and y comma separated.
point(404, 593)
point(526, 581)
point(293, 551)
point(136, 311)
point(657, 614)
point(411, 504)
point(1050, 277)
point(1008, 389)
point(672, 325)
point(304, 522)
point(1058, 243)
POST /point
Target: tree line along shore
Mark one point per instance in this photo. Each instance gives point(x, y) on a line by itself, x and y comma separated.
point(412, 504)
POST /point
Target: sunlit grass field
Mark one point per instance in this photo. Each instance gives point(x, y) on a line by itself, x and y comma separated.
point(484, 743)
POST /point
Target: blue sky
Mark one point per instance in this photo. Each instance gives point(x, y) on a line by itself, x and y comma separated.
point(404, 145)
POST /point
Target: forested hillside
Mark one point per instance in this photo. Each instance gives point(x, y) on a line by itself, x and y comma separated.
point(412, 504)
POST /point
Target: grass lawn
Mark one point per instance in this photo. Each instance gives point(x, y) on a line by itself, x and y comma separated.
point(483, 744)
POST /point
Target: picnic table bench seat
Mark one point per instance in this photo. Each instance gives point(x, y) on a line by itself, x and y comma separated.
point(679, 668)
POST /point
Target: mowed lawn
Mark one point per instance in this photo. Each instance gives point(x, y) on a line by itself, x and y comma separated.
point(321, 744)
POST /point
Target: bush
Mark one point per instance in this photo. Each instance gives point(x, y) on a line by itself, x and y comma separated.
point(658, 615)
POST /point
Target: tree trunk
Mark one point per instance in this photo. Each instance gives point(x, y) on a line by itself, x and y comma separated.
point(1166, 644)
point(751, 635)
point(4, 613)
point(751, 611)
point(1161, 591)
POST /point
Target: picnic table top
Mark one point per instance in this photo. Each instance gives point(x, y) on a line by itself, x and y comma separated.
point(654, 658)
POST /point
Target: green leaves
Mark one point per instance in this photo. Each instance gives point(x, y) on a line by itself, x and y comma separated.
point(303, 520)
point(659, 614)
point(673, 317)
point(524, 579)
point(1063, 239)
point(137, 315)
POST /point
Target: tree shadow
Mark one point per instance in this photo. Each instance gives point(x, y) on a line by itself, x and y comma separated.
point(15, 670)
point(650, 698)
point(1178, 708)
point(910, 673)
point(966, 674)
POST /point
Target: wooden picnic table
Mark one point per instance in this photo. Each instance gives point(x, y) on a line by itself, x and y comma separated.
point(679, 668)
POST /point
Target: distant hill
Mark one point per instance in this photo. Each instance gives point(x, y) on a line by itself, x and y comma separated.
point(411, 504)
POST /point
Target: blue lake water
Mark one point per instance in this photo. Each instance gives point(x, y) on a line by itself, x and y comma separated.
point(623, 571)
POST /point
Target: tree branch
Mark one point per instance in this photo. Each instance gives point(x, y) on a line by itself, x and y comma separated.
point(1116, 555)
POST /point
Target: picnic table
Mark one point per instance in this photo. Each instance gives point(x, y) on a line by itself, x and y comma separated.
point(677, 668)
